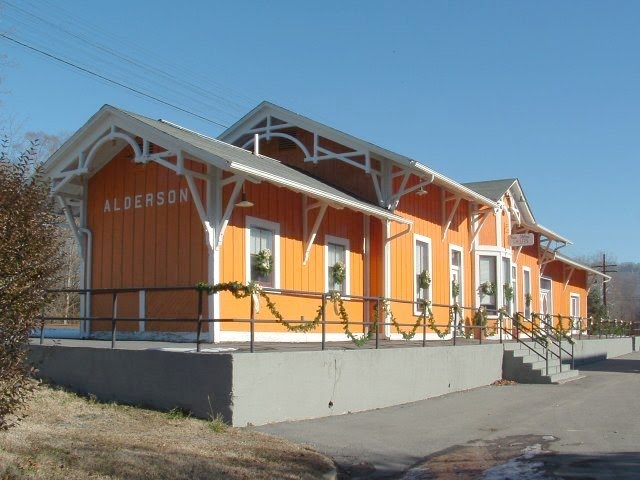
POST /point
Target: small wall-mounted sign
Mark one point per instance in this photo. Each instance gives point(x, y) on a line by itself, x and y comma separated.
point(521, 239)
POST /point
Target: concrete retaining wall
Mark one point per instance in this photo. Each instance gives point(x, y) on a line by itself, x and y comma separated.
point(595, 350)
point(200, 383)
point(269, 387)
point(277, 386)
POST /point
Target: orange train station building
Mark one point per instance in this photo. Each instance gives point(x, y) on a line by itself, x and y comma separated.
point(302, 209)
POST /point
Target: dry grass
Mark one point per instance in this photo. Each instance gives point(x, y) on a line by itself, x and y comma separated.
point(69, 437)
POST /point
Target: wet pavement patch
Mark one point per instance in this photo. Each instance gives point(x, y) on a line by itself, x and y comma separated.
point(515, 457)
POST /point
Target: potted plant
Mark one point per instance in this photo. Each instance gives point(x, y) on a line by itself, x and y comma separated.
point(480, 323)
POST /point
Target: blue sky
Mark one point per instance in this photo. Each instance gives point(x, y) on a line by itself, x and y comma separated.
point(548, 92)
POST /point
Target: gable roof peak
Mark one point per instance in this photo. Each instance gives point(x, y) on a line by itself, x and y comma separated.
point(246, 123)
point(492, 189)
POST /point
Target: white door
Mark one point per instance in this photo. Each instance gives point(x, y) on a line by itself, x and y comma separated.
point(455, 274)
point(545, 306)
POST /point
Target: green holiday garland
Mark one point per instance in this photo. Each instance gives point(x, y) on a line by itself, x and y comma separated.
point(536, 328)
point(564, 332)
point(425, 305)
point(443, 333)
point(344, 317)
point(480, 319)
point(238, 290)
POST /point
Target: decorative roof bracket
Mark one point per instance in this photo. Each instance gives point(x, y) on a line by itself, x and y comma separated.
point(272, 129)
point(444, 201)
point(310, 236)
point(202, 212)
point(224, 221)
point(476, 226)
point(567, 276)
point(546, 253)
point(72, 223)
point(515, 213)
point(403, 190)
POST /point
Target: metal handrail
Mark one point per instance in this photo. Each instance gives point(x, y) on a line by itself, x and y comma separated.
point(538, 333)
point(556, 338)
point(522, 328)
point(114, 318)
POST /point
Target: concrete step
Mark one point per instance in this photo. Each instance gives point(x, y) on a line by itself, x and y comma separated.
point(527, 346)
point(565, 376)
point(553, 367)
point(554, 351)
point(524, 366)
point(529, 357)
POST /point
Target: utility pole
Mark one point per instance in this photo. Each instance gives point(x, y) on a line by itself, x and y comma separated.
point(605, 269)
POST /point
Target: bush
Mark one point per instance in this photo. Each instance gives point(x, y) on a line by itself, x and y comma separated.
point(29, 263)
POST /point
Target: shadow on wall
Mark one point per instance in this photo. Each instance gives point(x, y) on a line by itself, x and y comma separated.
point(619, 365)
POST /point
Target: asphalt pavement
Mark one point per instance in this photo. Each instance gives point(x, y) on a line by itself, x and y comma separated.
point(586, 428)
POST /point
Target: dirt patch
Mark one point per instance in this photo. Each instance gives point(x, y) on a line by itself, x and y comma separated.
point(69, 437)
point(502, 381)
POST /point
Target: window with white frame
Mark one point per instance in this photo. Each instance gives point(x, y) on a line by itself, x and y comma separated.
point(456, 275)
point(527, 297)
point(505, 282)
point(263, 252)
point(422, 269)
point(574, 306)
point(337, 264)
point(487, 274)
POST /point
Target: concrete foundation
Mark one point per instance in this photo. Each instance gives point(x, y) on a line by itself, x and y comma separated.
point(268, 387)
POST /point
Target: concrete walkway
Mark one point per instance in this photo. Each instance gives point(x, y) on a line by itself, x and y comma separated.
point(590, 428)
point(244, 347)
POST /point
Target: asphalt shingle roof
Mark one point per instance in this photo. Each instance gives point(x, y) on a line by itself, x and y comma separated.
point(492, 189)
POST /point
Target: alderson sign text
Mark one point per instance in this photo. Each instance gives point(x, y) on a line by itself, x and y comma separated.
point(146, 200)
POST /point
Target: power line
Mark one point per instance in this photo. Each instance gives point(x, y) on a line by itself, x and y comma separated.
point(110, 80)
point(76, 22)
point(154, 79)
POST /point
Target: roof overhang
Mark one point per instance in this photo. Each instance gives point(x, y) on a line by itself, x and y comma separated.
point(580, 266)
point(550, 234)
point(452, 185)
